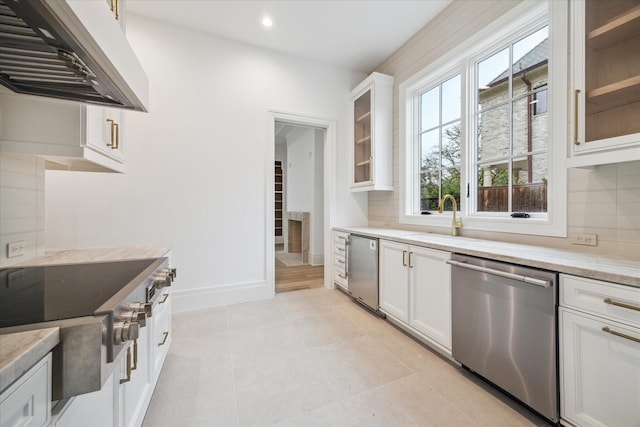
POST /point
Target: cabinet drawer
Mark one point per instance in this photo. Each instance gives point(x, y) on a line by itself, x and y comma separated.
point(340, 238)
point(617, 302)
point(27, 403)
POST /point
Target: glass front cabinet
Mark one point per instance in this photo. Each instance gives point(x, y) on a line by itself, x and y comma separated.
point(372, 143)
point(606, 89)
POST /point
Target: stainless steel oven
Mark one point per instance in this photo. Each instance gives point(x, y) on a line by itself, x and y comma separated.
point(504, 328)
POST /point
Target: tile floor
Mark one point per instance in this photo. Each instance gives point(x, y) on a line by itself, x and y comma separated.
point(314, 358)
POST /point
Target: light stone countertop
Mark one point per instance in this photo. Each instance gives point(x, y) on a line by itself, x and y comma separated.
point(21, 350)
point(96, 254)
point(617, 270)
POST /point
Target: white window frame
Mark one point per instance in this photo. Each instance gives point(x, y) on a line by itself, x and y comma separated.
point(522, 18)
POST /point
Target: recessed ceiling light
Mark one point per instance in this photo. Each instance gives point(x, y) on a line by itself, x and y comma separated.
point(267, 22)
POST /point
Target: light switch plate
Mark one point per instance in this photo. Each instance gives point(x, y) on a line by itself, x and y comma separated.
point(15, 249)
point(584, 239)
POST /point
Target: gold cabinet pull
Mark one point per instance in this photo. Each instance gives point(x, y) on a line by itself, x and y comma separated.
point(620, 334)
point(404, 258)
point(111, 123)
point(117, 11)
point(621, 304)
point(576, 141)
point(117, 132)
point(410, 259)
point(165, 335)
point(112, 5)
point(126, 380)
point(135, 355)
point(164, 299)
point(340, 275)
point(341, 249)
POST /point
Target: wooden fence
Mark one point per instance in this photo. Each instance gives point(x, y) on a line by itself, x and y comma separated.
point(526, 198)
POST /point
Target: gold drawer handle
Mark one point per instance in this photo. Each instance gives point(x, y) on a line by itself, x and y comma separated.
point(619, 334)
point(164, 299)
point(342, 237)
point(341, 261)
point(126, 380)
point(340, 275)
point(165, 335)
point(341, 249)
point(621, 304)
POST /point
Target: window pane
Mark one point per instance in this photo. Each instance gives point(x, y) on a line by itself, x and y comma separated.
point(493, 134)
point(430, 150)
point(529, 131)
point(429, 190)
point(493, 188)
point(493, 79)
point(530, 183)
point(451, 145)
point(451, 185)
point(451, 99)
point(530, 61)
point(430, 109)
point(540, 102)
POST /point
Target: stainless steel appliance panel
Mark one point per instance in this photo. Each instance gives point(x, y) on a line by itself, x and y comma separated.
point(362, 269)
point(504, 328)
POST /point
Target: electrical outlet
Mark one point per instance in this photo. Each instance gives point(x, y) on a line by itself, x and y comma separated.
point(15, 249)
point(585, 239)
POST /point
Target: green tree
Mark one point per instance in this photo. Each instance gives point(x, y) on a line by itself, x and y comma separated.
point(440, 172)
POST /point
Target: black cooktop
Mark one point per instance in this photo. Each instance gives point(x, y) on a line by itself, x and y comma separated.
point(54, 292)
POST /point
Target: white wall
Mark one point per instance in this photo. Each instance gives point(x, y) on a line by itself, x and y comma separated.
point(22, 213)
point(198, 161)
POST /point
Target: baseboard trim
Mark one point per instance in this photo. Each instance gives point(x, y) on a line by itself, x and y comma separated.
point(216, 296)
point(316, 259)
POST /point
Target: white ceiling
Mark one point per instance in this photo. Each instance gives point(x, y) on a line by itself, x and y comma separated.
point(352, 34)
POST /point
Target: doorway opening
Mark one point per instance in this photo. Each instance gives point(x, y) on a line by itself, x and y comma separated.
point(299, 206)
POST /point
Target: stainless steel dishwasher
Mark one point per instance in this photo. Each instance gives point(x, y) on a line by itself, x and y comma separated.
point(504, 328)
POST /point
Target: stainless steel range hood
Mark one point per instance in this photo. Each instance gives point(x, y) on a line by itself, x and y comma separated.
point(69, 49)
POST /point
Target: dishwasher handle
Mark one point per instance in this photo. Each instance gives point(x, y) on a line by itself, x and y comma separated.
point(507, 275)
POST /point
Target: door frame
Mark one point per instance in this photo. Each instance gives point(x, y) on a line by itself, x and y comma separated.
point(329, 202)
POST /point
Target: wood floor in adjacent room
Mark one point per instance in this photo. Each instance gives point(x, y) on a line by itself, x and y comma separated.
point(298, 277)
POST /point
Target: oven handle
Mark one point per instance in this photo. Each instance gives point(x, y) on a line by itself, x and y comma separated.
point(518, 277)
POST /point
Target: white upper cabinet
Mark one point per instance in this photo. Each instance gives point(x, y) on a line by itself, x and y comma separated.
point(372, 144)
point(70, 135)
point(606, 82)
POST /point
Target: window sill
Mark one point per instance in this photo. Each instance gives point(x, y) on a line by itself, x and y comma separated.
point(531, 226)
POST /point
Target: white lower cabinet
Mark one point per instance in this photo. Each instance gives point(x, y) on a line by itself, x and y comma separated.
point(599, 354)
point(415, 290)
point(27, 402)
point(161, 333)
point(95, 409)
point(394, 280)
point(135, 390)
